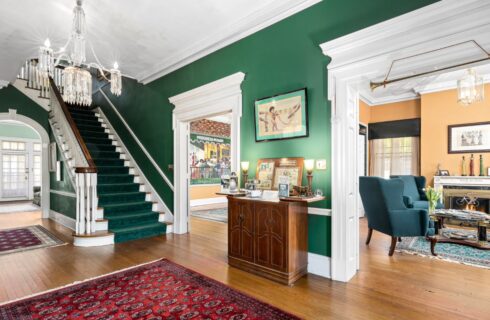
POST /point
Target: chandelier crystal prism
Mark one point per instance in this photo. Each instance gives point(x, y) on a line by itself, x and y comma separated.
point(76, 77)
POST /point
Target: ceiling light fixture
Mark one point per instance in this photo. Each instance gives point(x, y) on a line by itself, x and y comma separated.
point(470, 88)
point(76, 79)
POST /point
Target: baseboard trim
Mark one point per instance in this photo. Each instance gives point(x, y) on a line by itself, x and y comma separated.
point(60, 218)
point(319, 265)
point(203, 202)
point(63, 193)
point(320, 211)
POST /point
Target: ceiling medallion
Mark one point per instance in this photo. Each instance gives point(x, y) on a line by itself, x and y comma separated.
point(76, 78)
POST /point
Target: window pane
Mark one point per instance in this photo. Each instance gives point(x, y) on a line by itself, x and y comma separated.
point(36, 147)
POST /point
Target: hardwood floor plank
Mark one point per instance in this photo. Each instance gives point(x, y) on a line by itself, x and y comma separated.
point(400, 287)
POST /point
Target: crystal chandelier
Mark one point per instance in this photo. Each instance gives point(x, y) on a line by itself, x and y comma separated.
point(471, 88)
point(76, 78)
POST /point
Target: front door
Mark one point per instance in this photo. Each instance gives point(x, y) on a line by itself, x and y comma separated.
point(15, 175)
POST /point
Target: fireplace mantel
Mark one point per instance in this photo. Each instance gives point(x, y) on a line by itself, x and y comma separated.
point(462, 181)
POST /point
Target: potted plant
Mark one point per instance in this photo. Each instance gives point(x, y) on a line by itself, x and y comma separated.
point(433, 196)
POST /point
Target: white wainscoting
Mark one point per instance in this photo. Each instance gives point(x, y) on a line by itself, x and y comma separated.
point(319, 265)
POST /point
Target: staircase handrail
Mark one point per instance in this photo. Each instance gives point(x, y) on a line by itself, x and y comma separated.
point(85, 163)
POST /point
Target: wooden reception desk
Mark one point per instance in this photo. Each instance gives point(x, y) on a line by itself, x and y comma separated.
point(269, 237)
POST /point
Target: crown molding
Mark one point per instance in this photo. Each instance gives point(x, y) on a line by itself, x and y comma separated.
point(260, 19)
point(373, 102)
point(433, 22)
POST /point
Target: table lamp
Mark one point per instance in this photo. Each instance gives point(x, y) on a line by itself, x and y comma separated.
point(309, 166)
point(245, 165)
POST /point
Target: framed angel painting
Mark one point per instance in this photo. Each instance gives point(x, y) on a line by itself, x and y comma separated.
point(283, 116)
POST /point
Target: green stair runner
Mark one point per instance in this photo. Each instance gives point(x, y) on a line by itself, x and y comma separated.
point(130, 216)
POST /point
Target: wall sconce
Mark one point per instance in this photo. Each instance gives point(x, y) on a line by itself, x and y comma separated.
point(309, 166)
point(245, 165)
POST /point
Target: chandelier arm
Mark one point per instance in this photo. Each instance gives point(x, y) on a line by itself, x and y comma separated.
point(98, 67)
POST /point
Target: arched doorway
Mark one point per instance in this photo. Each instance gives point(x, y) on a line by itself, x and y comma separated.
point(13, 117)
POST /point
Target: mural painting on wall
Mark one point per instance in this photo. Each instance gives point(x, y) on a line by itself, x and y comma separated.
point(209, 158)
point(283, 116)
point(471, 137)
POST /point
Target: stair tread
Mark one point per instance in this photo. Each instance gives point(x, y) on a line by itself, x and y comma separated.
point(137, 227)
point(126, 204)
point(120, 193)
point(131, 215)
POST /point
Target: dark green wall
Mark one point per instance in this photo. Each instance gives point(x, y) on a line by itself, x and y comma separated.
point(11, 98)
point(281, 58)
point(65, 205)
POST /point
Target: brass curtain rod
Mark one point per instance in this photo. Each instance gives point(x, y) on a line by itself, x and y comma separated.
point(385, 82)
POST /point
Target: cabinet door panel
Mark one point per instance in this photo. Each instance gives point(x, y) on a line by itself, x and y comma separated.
point(234, 229)
point(262, 236)
point(247, 230)
point(270, 223)
point(278, 232)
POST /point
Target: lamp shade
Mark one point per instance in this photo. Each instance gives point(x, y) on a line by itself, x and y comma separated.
point(309, 165)
point(245, 165)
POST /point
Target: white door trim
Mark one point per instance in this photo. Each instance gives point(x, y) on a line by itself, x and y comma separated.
point(13, 115)
point(367, 54)
point(217, 97)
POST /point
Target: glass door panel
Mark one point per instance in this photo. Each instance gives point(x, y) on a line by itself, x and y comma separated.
point(15, 176)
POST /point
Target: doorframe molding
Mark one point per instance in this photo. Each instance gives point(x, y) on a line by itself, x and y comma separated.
point(13, 115)
point(365, 55)
point(218, 97)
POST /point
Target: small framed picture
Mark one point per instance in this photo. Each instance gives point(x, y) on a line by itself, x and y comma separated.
point(470, 137)
point(444, 173)
point(283, 187)
point(52, 157)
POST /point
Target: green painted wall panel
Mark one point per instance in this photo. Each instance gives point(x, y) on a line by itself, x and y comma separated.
point(281, 58)
point(11, 98)
point(64, 205)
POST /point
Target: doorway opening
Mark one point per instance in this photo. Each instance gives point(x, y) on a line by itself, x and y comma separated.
point(21, 162)
point(210, 158)
point(223, 96)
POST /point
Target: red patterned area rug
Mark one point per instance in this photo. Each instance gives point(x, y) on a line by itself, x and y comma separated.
point(26, 238)
point(157, 290)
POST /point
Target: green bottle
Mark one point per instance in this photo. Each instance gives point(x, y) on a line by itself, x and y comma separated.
point(481, 166)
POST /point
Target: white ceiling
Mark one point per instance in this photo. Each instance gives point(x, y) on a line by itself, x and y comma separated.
point(148, 38)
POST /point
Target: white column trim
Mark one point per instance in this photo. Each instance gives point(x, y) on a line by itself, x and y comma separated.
point(366, 55)
point(319, 265)
point(13, 115)
point(218, 97)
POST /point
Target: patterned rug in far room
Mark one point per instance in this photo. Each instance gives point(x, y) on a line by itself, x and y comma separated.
point(26, 238)
point(447, 251)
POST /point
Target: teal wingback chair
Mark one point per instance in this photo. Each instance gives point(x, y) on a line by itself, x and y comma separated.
point(413, 192)
point(387, 213)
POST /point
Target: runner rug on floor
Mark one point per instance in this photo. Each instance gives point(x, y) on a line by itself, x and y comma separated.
point(26, 238)
point(157, 290)
point(447, 251)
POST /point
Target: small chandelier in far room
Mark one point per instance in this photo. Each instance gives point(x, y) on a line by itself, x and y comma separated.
point(76, 77)
point(470, 88)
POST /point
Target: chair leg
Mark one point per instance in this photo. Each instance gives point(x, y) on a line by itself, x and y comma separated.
point(393, 245)
point(370, 234)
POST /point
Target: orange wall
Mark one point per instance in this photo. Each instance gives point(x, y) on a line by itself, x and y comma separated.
point(204, 191)
point(439, 110)
point(389, 112)
point(364, 112)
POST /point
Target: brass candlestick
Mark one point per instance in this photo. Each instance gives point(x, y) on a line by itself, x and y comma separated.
point(309, 165)
point(245, 165)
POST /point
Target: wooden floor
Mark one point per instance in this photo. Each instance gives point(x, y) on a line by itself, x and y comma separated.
point(401, 287)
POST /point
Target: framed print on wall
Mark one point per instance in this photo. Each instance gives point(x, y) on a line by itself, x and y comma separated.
point(283, 116)
point(470, 137)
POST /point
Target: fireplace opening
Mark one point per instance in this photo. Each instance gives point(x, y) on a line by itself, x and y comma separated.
point(468, 203)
